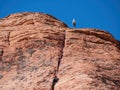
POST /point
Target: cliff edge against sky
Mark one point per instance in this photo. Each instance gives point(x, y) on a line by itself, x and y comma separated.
point(39, 52)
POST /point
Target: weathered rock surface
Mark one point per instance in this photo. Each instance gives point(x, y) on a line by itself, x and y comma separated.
point(36, 47)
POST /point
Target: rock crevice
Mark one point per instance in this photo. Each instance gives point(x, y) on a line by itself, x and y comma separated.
point(56, 72)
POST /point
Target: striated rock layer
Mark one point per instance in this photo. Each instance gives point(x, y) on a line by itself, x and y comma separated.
point(39, 52)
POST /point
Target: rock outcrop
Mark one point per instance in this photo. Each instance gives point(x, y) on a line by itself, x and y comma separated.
point(39, 52)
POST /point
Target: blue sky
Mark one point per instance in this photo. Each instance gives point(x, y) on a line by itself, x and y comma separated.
point(101, 14)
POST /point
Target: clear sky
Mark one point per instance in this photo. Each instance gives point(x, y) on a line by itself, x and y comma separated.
point(101, 14)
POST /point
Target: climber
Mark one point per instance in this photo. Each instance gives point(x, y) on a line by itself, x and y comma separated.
point(55, 80)
point(74, 23)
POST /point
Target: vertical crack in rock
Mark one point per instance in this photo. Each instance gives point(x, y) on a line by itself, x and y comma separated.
point(1, 53)
point(55, 78)
point(8, 38)
point(1, 66)
point(60, 57)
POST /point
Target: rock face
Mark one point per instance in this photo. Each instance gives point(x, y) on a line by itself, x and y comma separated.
point(39, 52)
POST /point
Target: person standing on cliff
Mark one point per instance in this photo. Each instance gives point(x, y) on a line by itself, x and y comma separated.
point(74, 23)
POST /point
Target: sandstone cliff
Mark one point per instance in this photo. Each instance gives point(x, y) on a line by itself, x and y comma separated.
point(36, 47)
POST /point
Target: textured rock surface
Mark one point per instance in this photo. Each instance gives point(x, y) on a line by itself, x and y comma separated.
point(91, 61)
point(35, 47)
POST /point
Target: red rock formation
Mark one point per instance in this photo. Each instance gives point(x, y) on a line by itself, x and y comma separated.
point(39, 52)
